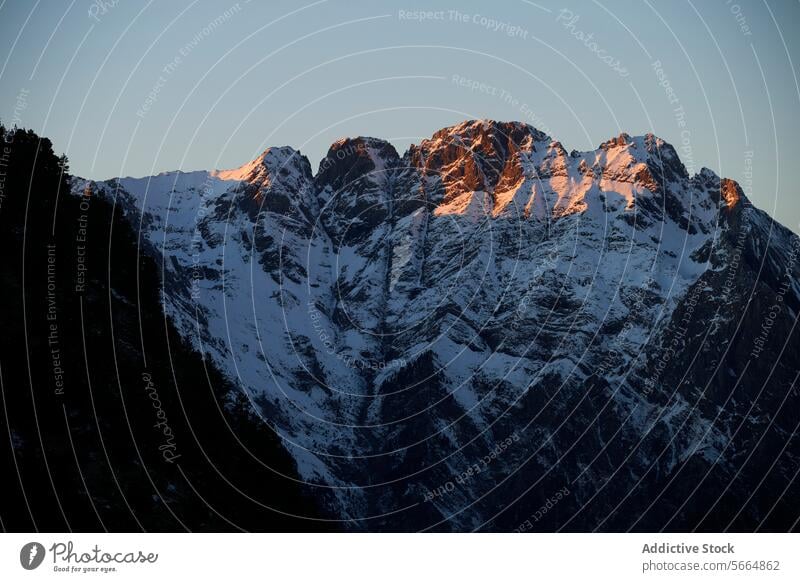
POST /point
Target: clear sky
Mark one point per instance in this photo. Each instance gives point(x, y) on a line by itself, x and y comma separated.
point(134, 88)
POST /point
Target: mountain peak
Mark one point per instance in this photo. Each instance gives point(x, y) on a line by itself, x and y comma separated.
point(351, 159)
point(472, 129)
point(476, 155)
point(277, 160)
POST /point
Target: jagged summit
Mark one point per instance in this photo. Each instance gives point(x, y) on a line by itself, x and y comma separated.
point(475, 168)
point(497, 147)
point(272, 160)
point(473, 128)
point(350, 159)
point(495, 143)
point(360, 153)
point(361, 142)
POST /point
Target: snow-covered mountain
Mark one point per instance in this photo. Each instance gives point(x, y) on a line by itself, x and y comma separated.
point(489, 331)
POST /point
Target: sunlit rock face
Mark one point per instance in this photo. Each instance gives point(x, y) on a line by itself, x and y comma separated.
point(446, 339)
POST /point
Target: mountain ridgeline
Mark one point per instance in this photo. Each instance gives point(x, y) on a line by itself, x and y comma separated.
point(486, 333)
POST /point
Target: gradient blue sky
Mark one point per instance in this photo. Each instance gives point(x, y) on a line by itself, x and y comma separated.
point(307, 73)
